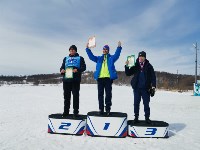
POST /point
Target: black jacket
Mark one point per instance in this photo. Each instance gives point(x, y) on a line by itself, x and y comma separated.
point(77, 75)
point(148, 71)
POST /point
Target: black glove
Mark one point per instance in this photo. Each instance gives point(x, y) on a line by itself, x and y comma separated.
point(152, 91)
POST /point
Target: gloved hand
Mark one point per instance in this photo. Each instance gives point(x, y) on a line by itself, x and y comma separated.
point(152, 91)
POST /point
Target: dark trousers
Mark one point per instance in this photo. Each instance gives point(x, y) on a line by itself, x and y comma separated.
point(138, 93)
point(73, 87)
point(105, 84)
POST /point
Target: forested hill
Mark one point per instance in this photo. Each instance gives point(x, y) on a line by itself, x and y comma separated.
point(164, 80)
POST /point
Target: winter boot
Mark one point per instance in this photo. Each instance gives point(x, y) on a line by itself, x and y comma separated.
point(65, 114)
point(136, 120)
point(100, 112)
point(75, 113)
point(147, 120)
point(107, 112)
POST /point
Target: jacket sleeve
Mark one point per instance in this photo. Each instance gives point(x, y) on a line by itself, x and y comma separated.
point(117, 53)
point(129, 71)
point(90, 55)
point(82, 65)
point(63, 65)
point(153, 77)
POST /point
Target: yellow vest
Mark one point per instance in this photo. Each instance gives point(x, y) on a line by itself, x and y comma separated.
point(104, 69)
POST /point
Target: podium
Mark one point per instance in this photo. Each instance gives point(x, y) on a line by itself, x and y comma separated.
point(157, 129)
point(114, 125)
point(66, 125)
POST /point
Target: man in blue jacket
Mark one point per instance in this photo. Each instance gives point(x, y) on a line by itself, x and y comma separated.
point(71, 69)
point(143, 84)
point(105, 74)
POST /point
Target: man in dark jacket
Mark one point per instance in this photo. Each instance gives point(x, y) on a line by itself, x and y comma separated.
point(143, 84)
point(105, 74)
point(71, 69)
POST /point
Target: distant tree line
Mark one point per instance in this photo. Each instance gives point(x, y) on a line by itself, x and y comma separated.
point(164, 80)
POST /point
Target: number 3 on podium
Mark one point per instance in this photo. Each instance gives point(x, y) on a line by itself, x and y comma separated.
point(151, 131)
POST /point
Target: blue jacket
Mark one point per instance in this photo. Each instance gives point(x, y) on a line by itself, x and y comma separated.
point(149, 75)
point(99, 60)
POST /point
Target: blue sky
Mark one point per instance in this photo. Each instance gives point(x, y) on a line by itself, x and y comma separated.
point(35, 35)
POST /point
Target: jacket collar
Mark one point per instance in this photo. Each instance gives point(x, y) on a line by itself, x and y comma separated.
point(74, 55)
point(145, 62)
point(108, 55)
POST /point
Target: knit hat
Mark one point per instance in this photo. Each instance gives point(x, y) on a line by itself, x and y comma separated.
point(73, 47)
point(142, 53)
point(106, 47)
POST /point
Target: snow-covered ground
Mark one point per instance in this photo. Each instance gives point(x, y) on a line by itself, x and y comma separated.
point(24, 111)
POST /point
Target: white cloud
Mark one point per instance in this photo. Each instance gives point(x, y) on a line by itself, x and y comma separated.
point(35, 35)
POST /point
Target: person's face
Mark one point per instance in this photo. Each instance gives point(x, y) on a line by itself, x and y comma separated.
point(141, 59)
point(105, 51)
point(72, 52)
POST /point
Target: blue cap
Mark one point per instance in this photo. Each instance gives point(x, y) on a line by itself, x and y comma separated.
point(106, 47)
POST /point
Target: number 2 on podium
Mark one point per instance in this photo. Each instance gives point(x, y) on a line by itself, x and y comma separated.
point(64, 126)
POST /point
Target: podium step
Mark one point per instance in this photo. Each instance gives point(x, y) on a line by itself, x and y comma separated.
point(157, 129)
point(114, 125)
point(66, 125)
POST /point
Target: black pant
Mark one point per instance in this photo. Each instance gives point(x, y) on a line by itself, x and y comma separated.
point(105, 83)
point(73, 87)
point(138, 93)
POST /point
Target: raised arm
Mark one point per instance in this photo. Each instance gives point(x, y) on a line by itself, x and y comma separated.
point(90, 54)
point(132, 70)
point(117, 52)
point(129, 71)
